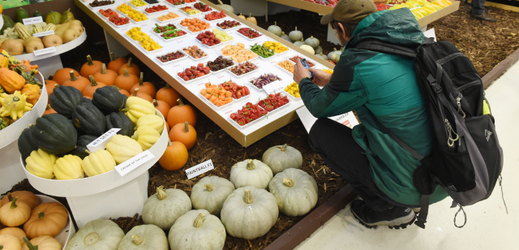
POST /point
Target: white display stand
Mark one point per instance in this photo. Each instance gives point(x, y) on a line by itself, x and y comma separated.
point(10, 169)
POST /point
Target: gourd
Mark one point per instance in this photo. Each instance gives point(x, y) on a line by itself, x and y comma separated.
point(43, 242)
point(46, 219)
point(41, 163)
point(295, 35)
point(319, 50)
point(175, 156)
point(249, 212)
point(88, 119)
point(26, 196)
point(210, 193)
point(184, 133)
point(119, 120)
point(52, 40)
point(108, 100)
point(90, 67)
point(137, 107)
point(53, 17)
point(252, 19)
point(99, 162)
point(162, 106)
point(285, 36)
point(168, 95)
point(13, 46)
point(32, 92)
point(14, 213)
point(334, 55)
point(116, 63)
point(299, 43)
point(130, 67)
point(146, 136)
point(54, 134)
point(68, 167)
point(141, 95)
point(67, 16)
point(99, 234)
point(16, 232)
point(281, 157)
point(274, 29)
point(295, 191)
point(307, 48)
point(181, 113)
point(26, 144)
point(322, 56)
point(312, 41)
point(33, 44)
point(106, 76)
point(154, 121)
point(10, 80)
point(145, 87)
point(165, 206)
point(144, 237)
point(10, 242)
point(91, 88)
point(197, 229)
point(225, 7)
point(122, 148)
point(126, 80)
point(241, 16)
point(14, 105)
point(61, 75)
point(251, 173)
point(64, 100)
point(81, 146)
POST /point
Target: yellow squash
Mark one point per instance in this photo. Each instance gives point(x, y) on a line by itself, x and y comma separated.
point(14, 105)
point(123, 148)
point(68, 167)
point(41, 164)
point(99, 162)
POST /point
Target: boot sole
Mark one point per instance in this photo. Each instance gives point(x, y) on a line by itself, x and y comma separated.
point(402, 222)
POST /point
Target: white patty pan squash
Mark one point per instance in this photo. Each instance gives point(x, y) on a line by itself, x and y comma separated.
point(197, 230)
point(210, 193)
point(40, 163)
point(68, 167)
point(281, 157)
point(123, 147)
point(251, 173)
point(144, 237)
point(249, 212)
point(100, 234)
point(295, 191)
point(164, 207)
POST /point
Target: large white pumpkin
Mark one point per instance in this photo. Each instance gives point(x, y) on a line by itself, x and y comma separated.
point(197, 230)
point(100, 234)
point(295, 191)
point(210, 193)
point(144, 237)
point(281, 157)
point(249, 212)
point(251, 173)
point(164, 207)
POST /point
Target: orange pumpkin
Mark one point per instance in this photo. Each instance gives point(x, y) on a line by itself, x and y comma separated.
point(9, 242)
point(162, 107)
point(175, 156)
point(116, 63)
point(137, 92)
point(77, 82)
point(132, 68)
point(26, 196)
point(106, 76)
point(14, 213)
point(126, 81)
point(181, 113)
point(44, 242)
point(63, 75)
point(90, 67)
point(14, 231)
point(145, 87)
point(184, 133)
point(168, 95)
point(49, 110)
point(46, 219)
point(90, 89)
point(50, 85)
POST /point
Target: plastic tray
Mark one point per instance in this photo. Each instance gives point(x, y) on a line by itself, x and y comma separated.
point(290, 96)
point(243, 75)
point(212, 104)
point(309, 61)
point(190, 15)
point(170, 39)
point(223, 70)
point(254, 85)
point(284, 70)
point(278, 108)
point(246, 125)
point(173, 61)
point(138, 7)
point(157, 12)
point(168, 20)
point(228, 29)
point(248, 38)
point(193, 80)
point(196, 59)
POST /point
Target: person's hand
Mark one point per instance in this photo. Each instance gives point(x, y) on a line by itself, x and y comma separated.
point(321, 78)
point(300, 71)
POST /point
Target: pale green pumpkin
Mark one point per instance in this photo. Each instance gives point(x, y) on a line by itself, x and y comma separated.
point(197, 230)
point(164, 207)
point(100, 234)
point(210, 193)
point(295, 191)
point(251, 173)
point(144, 237)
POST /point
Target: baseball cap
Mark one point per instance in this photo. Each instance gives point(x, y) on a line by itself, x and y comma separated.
point(350, 11)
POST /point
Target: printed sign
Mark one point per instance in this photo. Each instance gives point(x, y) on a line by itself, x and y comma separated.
point(134, 162)
point(42, 34)
point(32, 20)
point(45, 51)
point(101, 141)
point(199, 169)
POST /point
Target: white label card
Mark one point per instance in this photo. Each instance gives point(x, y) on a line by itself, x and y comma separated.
point(134, 162)
point(32, 20)
point(199, 169)
point(102, 140)
point(42, 34)
point(45, 51)
point(274, 87)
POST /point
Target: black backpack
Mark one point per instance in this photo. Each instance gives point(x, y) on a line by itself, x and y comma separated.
point(466, 158)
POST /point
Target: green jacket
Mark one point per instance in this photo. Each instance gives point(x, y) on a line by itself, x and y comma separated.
point(383, 85)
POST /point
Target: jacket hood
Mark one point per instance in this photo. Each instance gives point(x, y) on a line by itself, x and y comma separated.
point(393, 26)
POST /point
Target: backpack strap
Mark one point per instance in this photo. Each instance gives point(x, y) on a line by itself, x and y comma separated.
point(389, 48)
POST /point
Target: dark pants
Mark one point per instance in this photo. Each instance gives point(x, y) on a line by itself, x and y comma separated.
point(335, 144)
point(478, 6)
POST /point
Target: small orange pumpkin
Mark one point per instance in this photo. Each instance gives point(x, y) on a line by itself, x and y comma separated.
point(46, 219)
point(181, 113)
point(126, 81)
point(90, 67)
point(116, 63)
point(26, 196)
point(50, 85)
point(77, 82)
point(138, 93)
point(106, 76)
point(14, 213)
point(9, 242)
point(14, 231)
point(44, 242)
point(49, 110)
point(162, 107)
point(184, 133)
point(175, 156)
point(132, 68)
point(63, 74)
point(90, 89)
point(168, 94)
point(145, 87)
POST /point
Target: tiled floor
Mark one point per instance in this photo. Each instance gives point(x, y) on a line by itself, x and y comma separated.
point(488, 224)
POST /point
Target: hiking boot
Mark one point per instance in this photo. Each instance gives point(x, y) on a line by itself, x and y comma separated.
point(396, 217)
point(483, 17)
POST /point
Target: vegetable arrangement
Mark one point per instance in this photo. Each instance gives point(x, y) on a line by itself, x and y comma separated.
point(248, 113)
point(168, 16)
point(194, 52)
point(264, 79)
point(227, 24)
point(156, 8)
point(294, 58)
point(273, 101)
point(144, 39)
point(238, 53)
point(114, 17)
point(249, 33)
point(215, 15)
point(243, 68)
point(202, 7)
point(219, 63)
point(176, 2)
point(171, 56)
point(190, 11)
point(208, 38)
point(293, 89)
point(195, 24)
point(277, 47)
point(262, 50)
point(194, 72)
point(237, 91)
point(216, 94)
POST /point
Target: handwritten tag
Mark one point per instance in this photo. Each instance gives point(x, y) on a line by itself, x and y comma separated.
point(199, 169)
point(274, 87)
point(32, 20)
point(45, 51)
point(101, 141)
point(134, 162)
point(42, 34)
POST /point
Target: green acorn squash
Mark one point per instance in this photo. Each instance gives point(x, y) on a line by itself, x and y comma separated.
point(26, 143)
point(88, 119)
point(64, 100)
point(119, 120)
point(54, 134)
point(108, 100)
point(81, 146)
